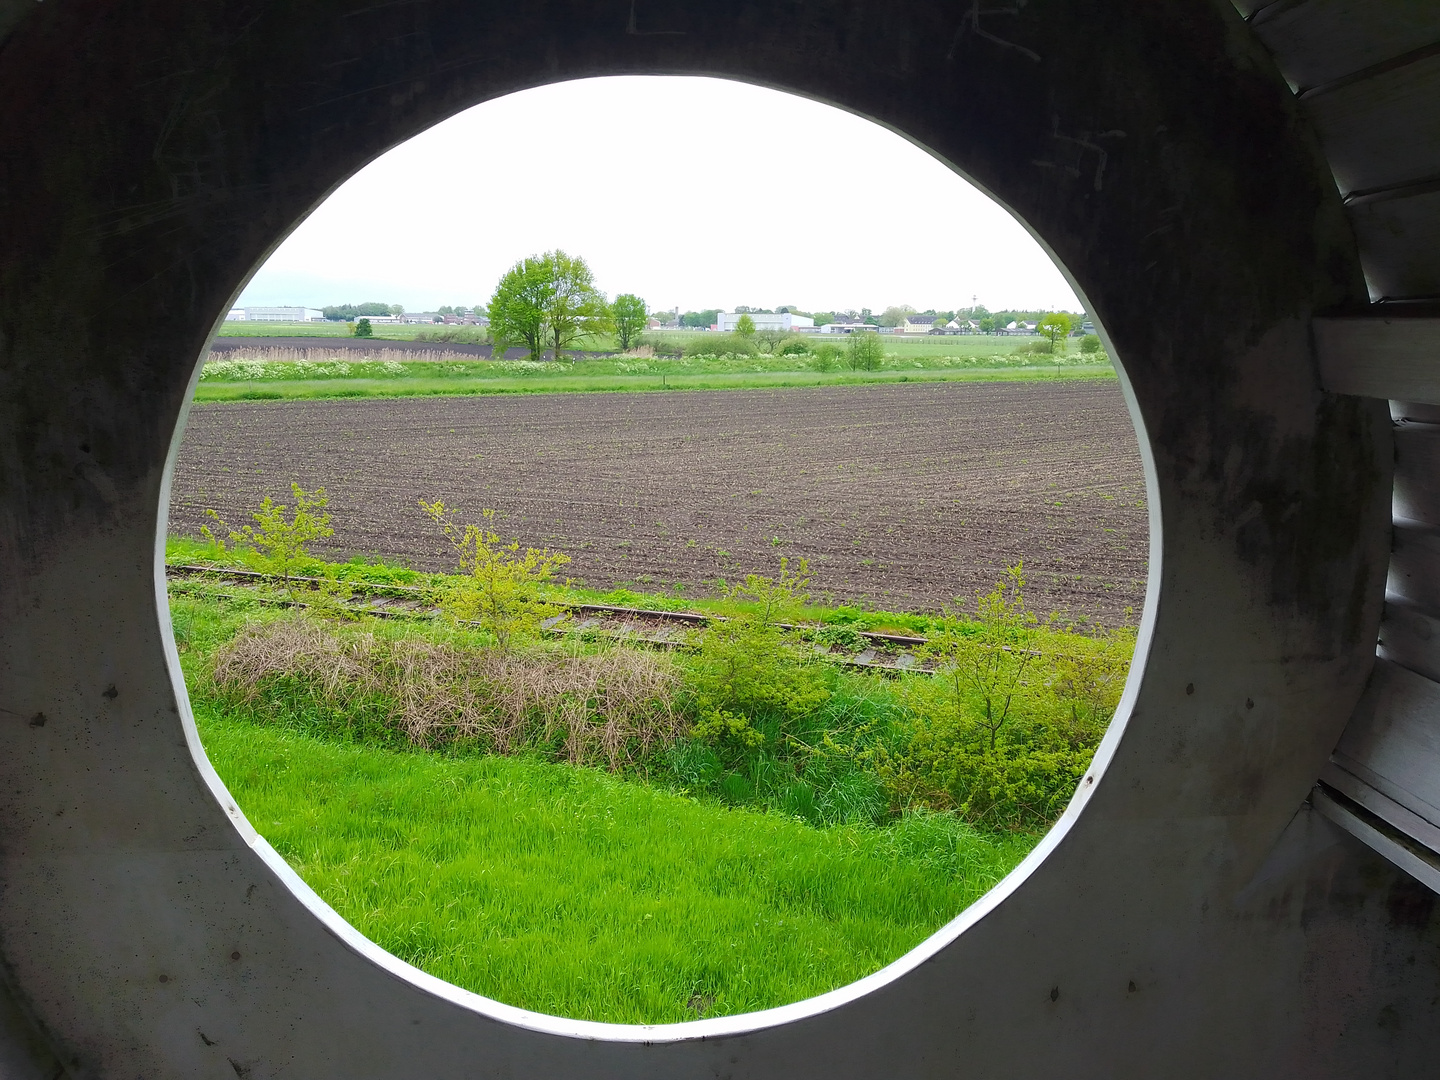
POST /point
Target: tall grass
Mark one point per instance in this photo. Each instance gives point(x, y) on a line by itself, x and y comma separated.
point(572, 892)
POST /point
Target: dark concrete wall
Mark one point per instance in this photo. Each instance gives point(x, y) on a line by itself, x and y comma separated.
point(155, 152)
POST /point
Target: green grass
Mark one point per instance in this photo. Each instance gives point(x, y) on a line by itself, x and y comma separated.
point(934, 359)
point(406, 386)
point(573, 893)
point(296, 329)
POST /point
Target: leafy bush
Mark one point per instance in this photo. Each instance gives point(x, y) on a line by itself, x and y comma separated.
point(660, 345)
point(846, 638)
point(498, 587)
point(1033, 348)
point(794, 346)
point(751, 677)
point(825, 356)
point(983, 665)
point(1013, 786)
point(866, 352)
point(720, 345)
point(462, 335)
point(1089, 344)
point(281, 543)
point(1004, 731)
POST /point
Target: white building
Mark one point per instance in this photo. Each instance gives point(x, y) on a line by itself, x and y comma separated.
point(919, 324)
point(725, 321)
point(846, 326)
point(275, 314)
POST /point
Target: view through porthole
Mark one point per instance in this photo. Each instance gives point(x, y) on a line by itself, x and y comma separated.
point(667, 580)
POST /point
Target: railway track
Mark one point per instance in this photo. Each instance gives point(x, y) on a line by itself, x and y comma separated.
point(642, 626)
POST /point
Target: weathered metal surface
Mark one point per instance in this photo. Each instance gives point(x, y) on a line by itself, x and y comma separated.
point(1382, 131)
point(1399, 238)
point(1183, 920)
point(1393, 358)
point(1318, 42)
point(1374, 829)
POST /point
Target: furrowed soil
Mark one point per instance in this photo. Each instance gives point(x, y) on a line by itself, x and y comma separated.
point(901, 496)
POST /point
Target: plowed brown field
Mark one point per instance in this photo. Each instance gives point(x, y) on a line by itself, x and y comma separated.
point(902, 496)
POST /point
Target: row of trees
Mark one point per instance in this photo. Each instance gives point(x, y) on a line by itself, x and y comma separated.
point(548, 301)
point(351, 312)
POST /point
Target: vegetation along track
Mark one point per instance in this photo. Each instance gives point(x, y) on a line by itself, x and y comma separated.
point(642, 626)
point(901, 496)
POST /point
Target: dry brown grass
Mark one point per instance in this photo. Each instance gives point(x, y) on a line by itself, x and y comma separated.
point(607, 708)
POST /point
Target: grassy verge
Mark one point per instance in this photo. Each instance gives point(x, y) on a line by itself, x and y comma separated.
point(574, 893)
point(569, 890)
point(441, 385)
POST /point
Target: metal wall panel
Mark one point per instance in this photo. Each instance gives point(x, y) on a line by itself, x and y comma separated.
point(1318, 41)
point(1383, 130)
point(1415, 565)
point(1417, 473)
point(1390, 357)
point(1400, 245)
point(1393, 741)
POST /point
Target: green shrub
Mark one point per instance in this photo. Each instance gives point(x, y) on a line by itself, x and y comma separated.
point(281, 543)
point(794, 346)
point(774, 726)
point(720, 345)
point(1009, 787)
point(751, 673)
point(465, 335)
point(825, 356)
point(1005, 728)
point(498, 587)
point(866, 352)
point(1033, 348)
point(1089, 344)
point(660, 345)
point(845, 638)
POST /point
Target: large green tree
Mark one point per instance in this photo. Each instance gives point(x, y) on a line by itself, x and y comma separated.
point(627, 314)
point(896, 315)
point(573, 307)
point(518, 306)
point(1056, 327)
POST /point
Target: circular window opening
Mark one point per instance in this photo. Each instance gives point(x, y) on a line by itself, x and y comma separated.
point(630, 659)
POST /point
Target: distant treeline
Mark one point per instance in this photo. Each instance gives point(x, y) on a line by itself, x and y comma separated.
point(891, 316)
point(350, 312)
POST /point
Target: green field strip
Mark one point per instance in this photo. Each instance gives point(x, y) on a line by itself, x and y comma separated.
point(265, 390)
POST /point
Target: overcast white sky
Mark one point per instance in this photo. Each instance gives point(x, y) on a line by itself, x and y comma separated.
point(692, 192)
